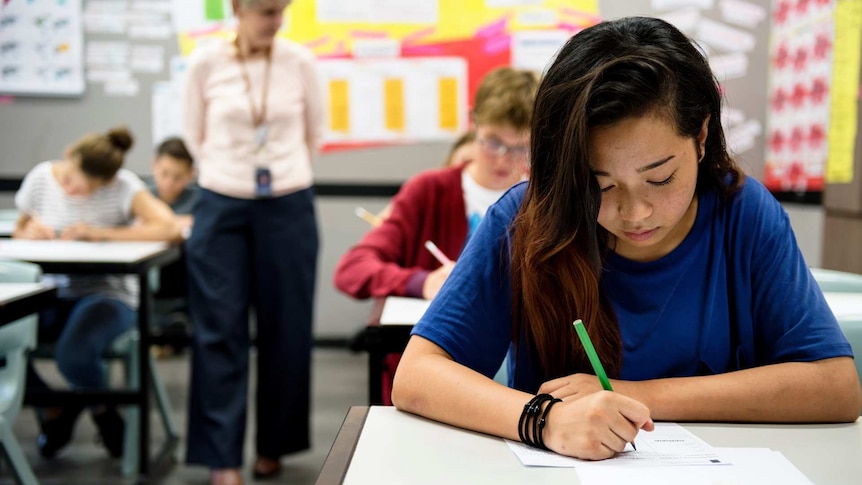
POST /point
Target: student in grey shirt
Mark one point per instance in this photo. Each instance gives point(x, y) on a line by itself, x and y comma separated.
point(88, 196)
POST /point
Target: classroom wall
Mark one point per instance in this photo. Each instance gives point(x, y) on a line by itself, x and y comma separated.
point(36, 129)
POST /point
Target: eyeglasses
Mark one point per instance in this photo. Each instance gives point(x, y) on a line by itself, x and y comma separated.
point(500, 149)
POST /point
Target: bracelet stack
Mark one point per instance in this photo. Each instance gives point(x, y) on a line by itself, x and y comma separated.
point(533, 420)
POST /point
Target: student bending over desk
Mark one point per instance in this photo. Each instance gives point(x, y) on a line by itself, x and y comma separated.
point(636, 220)
point(88, 196)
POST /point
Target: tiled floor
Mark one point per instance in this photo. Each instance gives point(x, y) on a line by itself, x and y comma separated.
point(339, 381)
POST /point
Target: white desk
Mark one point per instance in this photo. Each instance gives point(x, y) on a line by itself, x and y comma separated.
point(845, 306)
point(78, 252)
point(6, 228)
point(18, 300)
point(386, 446)
point(398, 310)
point(136, 258)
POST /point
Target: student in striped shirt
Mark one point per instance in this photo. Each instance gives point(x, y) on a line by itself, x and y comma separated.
point(88, 196)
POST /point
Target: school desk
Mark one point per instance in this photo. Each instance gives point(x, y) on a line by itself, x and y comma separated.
point(17, 300)
point(382, 445)
point(134, 258)
point(387, 331)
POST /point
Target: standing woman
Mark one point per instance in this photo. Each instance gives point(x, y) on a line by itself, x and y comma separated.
point(253, 114)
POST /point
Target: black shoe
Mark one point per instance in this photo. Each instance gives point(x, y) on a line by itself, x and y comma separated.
point(266, 468)
point(57, 431)
point(112, 429)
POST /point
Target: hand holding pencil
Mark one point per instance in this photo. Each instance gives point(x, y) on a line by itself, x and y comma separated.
point(435, 279)
point(595, 425)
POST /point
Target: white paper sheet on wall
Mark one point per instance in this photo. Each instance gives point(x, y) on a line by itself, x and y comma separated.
point(536, 49)
point(378, 11)
point(41, 48)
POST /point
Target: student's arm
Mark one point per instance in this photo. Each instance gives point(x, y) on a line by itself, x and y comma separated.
point(821, 391)
point(377, 266)
point(429, 383)
point(29, 227)
point(156, 222)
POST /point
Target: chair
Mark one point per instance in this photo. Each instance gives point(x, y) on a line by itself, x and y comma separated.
point(837, 281)
point(831, 281)
point(17, 339)
point(125, 349)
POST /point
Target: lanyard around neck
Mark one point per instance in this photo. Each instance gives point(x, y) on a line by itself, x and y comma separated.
point(258, 118)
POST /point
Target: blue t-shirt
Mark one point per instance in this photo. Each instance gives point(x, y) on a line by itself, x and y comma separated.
point(735, 294)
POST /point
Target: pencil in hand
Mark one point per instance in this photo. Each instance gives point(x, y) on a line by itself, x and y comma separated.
point(434, 250)
point(368, 217)
point(594, 358)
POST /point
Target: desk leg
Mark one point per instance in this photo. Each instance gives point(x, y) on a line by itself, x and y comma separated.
point(375, 377)
point(144, 311)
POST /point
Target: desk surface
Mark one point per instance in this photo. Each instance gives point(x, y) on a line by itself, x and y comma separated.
point(21, 299)
point(6, 228)
point(10, 292)
point(398, 310)
point(845, 306)
point(388, 446)
point(79, 251)
point(90, 257)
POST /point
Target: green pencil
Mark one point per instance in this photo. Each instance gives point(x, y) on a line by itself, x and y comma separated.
point(592, 355)
point(594, 358)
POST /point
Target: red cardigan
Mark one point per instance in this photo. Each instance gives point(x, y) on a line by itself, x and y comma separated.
point(429, 206)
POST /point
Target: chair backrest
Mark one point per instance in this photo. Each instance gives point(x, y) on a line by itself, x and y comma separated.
point(837, 281)
point(19, 272)
point(16, 340)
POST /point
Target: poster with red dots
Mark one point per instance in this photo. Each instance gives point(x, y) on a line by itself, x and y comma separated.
point(798, 115)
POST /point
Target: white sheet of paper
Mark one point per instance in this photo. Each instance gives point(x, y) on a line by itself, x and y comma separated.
point(668, 444)
point(751, 466)
point(403, 311)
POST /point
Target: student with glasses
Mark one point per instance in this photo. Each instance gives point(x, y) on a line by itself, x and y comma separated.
point(445, 205)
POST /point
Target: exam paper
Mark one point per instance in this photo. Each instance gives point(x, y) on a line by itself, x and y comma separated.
point(751, 466)
point(668, 444)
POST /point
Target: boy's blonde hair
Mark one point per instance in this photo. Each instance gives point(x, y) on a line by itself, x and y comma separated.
point(505, 97)
point(255, 3)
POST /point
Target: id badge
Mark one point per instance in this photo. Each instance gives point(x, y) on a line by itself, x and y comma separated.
point(262, 183)
point(260, 133)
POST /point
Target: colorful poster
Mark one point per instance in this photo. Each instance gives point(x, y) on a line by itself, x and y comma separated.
point(41, 47)
point(800, 89)
point(845, 92)
point(401, 70)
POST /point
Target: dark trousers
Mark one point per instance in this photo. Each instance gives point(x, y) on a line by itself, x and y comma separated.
point(260, 253)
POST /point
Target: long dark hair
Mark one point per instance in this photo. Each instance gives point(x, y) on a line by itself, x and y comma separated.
point(604, 74)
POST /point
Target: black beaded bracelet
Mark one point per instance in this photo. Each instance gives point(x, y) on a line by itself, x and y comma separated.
point(530, 424)
point(541, 424)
